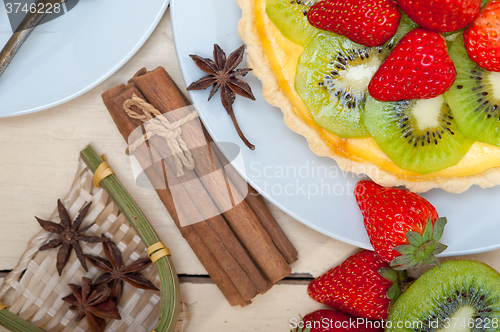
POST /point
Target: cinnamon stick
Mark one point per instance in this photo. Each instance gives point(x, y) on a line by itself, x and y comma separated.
point(215, 232)
point(204, 254)
point(244, 250)
point(254, 199)
point(160, 91)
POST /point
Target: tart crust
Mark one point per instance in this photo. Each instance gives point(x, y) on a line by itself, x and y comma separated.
point(323, 145)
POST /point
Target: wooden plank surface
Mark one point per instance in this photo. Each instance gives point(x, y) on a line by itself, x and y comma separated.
point(38, 161)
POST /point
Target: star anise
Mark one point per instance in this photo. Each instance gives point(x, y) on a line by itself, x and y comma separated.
point(116, 272)
point(222, 74)
point(69, 236)
point(93, 302)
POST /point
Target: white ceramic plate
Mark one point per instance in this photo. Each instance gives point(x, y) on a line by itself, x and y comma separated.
point(309, 188)
point(70, 55)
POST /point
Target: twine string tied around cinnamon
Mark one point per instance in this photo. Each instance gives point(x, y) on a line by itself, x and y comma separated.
point(157, 124)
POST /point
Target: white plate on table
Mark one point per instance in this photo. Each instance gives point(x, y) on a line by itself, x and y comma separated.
point(70, 55)
point(283, 168)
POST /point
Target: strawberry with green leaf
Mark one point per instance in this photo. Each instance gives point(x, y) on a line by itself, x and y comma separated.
point(363, 286)
point(403, 227)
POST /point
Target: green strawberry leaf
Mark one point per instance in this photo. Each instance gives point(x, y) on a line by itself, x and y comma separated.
point(388, 273)
point(432, 260)
point(428, 231)
point(439, 228)
point(439, 248)
point(415, 239)
point(393, 292)
point(403, 262)
point(399, 280)
point(405, 249)
point(422, 248)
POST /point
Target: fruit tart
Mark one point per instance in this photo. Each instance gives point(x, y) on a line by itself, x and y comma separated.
point(320, 73)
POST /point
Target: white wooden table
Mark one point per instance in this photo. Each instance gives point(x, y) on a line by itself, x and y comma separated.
point(38, 160)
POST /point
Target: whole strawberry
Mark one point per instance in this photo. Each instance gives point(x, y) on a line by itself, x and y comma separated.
point(334, 321)
point(482, 37)
point(363, 286)
point(419, 67)
point(403, 227)
point(441, 15)
point(366, 22)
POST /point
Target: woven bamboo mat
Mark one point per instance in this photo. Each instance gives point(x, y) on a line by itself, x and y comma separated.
point(34, 290)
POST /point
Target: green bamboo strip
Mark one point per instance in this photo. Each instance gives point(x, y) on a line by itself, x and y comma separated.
point(16, 324)
point(170, 306)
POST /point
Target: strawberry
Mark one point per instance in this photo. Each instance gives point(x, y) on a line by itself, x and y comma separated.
point(335, 321)
point(482, 37)
point(363, 286)
point(441, 15)
point(419, 67)
point(403, 227)
point(366, 22)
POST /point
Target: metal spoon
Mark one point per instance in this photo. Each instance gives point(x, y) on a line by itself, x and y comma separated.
point(29, 23)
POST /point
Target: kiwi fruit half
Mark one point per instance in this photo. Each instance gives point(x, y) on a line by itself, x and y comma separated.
point(332, 78)
point(417, 135)
point(458, 296)
point(474, 98)
point(290, 17)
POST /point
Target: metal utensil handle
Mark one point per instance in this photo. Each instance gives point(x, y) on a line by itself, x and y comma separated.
point(29, 23)
point(18, 38)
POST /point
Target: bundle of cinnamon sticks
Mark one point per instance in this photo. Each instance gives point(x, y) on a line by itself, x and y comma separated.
point(243, 248)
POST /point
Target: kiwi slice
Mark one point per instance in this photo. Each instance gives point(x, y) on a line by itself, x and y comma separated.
point(417, 135)
point(332, 78)
point(474, 98)
point(458, 296)
point(290, 17)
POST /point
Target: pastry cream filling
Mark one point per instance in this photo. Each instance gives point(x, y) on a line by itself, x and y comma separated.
point(283, 56)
